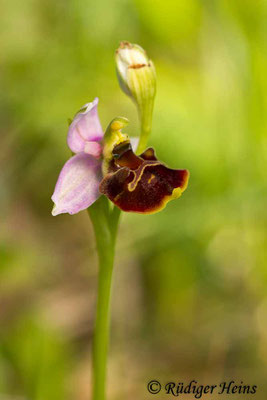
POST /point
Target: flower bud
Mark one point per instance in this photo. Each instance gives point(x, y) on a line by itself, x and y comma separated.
point(137, 78)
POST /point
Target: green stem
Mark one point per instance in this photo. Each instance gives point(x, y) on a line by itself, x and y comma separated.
point(105, 223)
point(145, 116)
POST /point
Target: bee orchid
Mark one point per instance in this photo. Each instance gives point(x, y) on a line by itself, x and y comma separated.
point(106, 164)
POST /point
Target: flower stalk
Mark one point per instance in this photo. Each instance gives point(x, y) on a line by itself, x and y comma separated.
point(105, 224)
point(145, 116)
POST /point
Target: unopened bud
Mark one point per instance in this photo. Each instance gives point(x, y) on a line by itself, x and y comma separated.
point(137, 78)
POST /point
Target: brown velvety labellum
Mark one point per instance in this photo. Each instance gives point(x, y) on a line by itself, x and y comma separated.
point(141, 184)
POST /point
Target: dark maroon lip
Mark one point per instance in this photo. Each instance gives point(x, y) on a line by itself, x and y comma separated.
point(140, 183)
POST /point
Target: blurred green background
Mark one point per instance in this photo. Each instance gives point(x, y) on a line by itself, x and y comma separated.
point(190, 283)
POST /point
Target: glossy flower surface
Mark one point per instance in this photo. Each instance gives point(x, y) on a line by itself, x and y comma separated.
point(141, 184)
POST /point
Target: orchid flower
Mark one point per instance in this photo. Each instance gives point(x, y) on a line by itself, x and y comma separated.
point(107, 164)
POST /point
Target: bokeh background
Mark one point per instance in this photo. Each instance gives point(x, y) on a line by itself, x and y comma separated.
point(190, 284)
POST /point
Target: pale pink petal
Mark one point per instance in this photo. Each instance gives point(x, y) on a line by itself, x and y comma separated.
point(85, 127)
point(93, 148)
point(77, 185)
